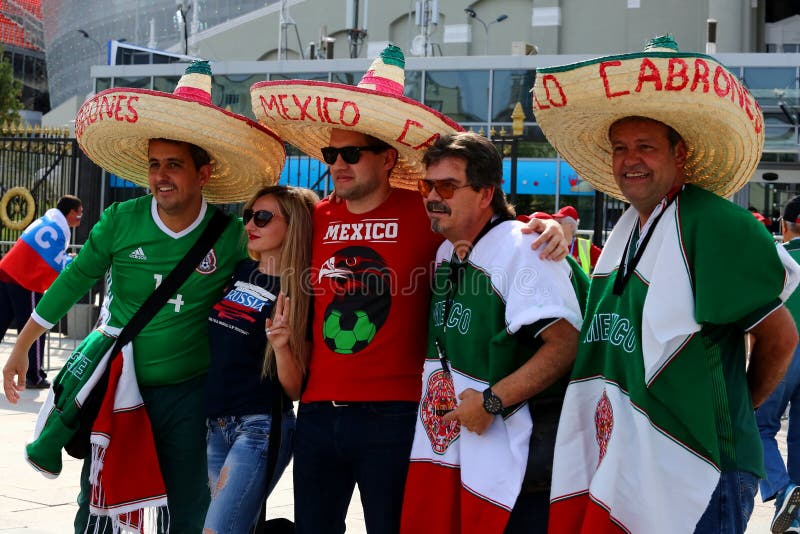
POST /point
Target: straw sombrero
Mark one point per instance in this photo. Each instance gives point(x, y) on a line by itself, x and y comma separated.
point(718, 118)
point(304, 112)
point(114, 126)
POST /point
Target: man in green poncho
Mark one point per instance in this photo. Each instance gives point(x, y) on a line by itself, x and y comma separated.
point(657, 432)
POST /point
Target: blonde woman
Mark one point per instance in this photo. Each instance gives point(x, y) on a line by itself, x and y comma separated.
point(266, 291)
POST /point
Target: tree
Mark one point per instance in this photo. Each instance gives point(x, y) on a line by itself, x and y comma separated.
point(10, 92)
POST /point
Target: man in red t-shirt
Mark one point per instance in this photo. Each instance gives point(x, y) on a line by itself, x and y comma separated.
point(370, 276)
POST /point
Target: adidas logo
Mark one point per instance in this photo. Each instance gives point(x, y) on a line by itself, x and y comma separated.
point(138, 254)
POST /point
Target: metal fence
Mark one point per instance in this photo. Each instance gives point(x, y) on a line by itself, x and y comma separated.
point(37, 167)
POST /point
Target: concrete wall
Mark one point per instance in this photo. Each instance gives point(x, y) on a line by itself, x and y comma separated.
point(554, 26)
point(602, 27)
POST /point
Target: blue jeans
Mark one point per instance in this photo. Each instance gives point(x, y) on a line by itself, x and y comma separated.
point(366, 443)
point(237, 468)
point(731, 504)
point(768, 417)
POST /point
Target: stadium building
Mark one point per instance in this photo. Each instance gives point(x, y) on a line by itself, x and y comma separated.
point(472, 61)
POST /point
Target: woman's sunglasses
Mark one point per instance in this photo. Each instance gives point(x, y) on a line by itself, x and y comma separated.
point(445, 190)
point(260, 217)
point(350, 154)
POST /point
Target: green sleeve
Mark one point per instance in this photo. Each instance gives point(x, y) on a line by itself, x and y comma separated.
point(736, 272)
point(580, 283)
point(89, 266)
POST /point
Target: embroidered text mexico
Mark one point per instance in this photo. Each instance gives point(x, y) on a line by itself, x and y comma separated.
point(372, 230)
point(611, 328)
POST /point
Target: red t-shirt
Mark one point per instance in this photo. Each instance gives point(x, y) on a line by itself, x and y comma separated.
point(370, 276)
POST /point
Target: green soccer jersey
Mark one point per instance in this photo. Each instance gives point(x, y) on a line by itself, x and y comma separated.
point(141, 252)
point(793, 303)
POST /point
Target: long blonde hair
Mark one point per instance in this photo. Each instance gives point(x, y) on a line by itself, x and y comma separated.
point(297, 206)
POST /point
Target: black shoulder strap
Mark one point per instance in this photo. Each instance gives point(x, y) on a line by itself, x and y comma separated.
point(273, 447)
point(174, 280)
point(78, 446)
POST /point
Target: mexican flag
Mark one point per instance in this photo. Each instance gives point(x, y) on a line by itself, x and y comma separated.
point(615, 471)
point(471, 481)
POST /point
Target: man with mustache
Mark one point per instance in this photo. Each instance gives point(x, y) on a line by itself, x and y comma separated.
point(502, 335)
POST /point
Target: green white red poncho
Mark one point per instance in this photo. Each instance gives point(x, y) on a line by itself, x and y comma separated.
point(658, 404)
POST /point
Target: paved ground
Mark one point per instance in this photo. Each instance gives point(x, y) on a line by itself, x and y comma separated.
point(32, 504)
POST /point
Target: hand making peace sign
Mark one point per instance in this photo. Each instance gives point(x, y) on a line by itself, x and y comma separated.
point(278, 327)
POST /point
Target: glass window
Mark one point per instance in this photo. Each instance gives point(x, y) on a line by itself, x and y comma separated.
point(137, 83)
point(413, 85)
point(161, 59)
point(166, 84)
point(508, 88)
point(779, 157)
point(780, 131)
point(127, 56)
point(347, 78)
point(102, 84)
point(779, 137)
point(461, 95)
point(772, 84)
point(316, 76)
point(232, 92)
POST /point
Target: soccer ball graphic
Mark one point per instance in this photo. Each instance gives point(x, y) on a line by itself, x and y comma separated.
point(348, 332)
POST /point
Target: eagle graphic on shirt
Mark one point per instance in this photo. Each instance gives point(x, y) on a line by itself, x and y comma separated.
point(362, 298)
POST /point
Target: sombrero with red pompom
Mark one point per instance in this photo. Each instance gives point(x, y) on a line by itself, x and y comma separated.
point(305, 112)
point(113, 128)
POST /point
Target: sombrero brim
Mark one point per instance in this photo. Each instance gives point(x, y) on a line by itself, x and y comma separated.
point(113, 129)
point(304, 112)
point(720, 122)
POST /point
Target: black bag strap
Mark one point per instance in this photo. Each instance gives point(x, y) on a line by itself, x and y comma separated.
point(78, 446)
point(273, 447)
point(173, 281)
point(276, 427)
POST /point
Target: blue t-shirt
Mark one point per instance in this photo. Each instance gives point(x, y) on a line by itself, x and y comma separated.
point(238, 342)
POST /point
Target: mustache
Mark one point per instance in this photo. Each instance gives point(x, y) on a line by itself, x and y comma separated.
point(437, 207)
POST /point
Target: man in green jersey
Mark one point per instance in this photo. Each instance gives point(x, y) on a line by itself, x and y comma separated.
point(155, 140)
point(657, 432)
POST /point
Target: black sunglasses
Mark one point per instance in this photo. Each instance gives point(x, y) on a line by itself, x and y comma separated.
point(444, 189)
point(260, 217)
point(350, 154)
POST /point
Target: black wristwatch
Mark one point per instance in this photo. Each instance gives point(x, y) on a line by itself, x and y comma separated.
point(491, 402)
